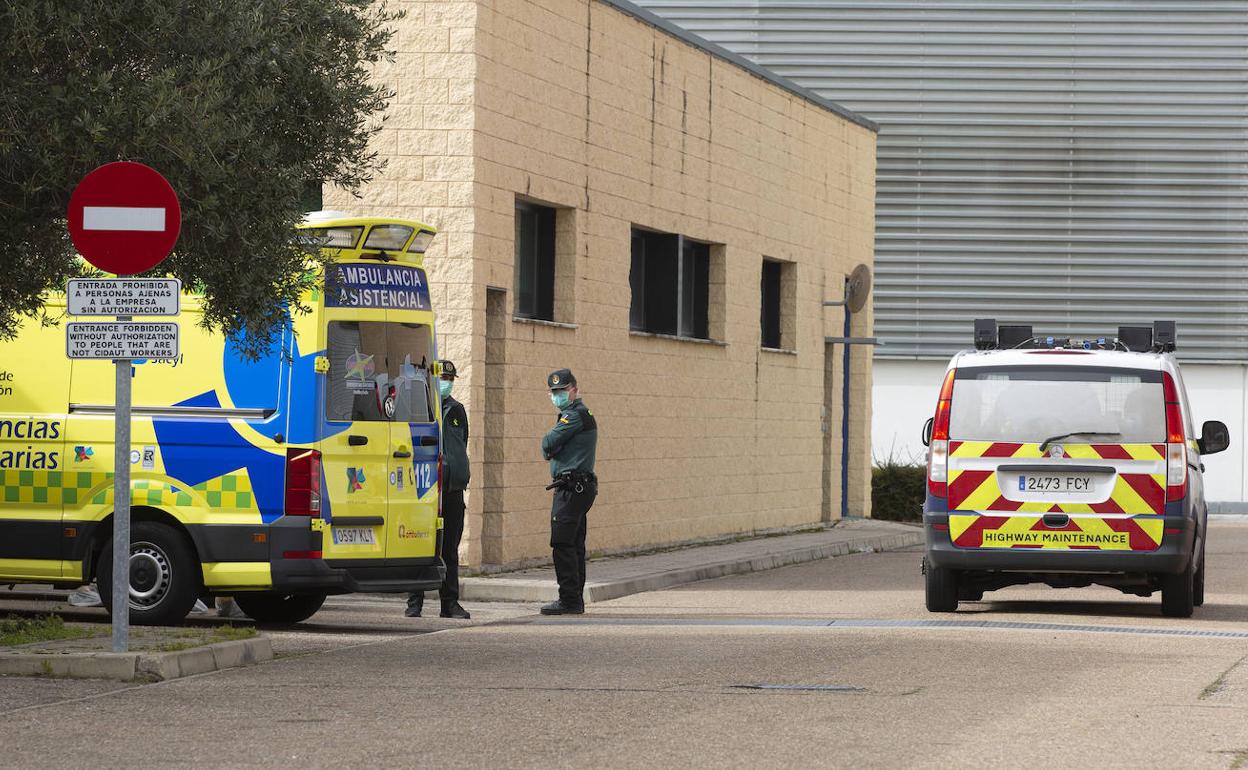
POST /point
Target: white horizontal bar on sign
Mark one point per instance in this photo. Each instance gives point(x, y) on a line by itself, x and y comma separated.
point(123, 218)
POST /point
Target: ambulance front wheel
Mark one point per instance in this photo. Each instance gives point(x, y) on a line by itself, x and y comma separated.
point(164, 574)
point(941, 588)
point(279, 608)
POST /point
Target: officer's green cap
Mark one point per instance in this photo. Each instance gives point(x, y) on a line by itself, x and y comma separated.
point(560, 379)
point(448, 369)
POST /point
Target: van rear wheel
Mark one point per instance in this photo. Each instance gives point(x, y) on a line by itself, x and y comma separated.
point(1178, 592)
point(164, 575)
point(941, 588)
point(279, 608)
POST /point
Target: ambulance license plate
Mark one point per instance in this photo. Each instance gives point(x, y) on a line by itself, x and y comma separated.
point(1058, 482)
point(354, 536)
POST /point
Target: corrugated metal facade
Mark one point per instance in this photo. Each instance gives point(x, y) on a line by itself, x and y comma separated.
point(1071, 164)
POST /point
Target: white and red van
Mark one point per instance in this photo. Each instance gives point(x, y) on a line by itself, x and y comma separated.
point(1069, 463)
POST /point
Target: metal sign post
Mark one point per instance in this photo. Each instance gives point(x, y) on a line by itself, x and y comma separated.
point(124, 218)
point(121, 506)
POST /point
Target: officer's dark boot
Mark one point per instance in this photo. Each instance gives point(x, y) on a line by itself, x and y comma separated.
point(415, 603)
point(454, 610)
point(559, 608)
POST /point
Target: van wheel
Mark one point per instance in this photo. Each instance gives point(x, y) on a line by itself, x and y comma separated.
point(1178, 592)
point(164, 575)
point(941, 588)
point(279, 608)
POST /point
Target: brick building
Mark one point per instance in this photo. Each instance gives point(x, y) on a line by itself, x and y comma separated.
point(619, 197)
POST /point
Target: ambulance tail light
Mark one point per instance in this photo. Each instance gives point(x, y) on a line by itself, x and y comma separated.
point(439, 484)
point(938, 450)
point(1176, 443)
point(303, 482)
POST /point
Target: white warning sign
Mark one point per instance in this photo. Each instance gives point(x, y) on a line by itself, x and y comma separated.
point(124, 296)
point(126, 339)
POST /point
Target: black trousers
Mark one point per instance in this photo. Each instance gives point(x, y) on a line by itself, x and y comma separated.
point(452, 533)
point(568, 520)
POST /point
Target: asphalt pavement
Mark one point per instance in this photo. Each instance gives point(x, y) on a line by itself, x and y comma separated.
point(829, 664)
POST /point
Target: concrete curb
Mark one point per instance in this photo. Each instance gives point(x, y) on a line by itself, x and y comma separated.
point(502, 589)
point(127, 666)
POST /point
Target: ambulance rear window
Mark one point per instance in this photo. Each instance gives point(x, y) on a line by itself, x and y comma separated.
point(1026, 404)
point(379, 372)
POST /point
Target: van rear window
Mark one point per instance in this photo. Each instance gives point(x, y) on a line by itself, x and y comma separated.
point(1031, 404)
point(379, 372)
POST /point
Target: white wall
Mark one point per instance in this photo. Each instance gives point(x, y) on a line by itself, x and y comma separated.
point(1217, 392)
point(904, 396)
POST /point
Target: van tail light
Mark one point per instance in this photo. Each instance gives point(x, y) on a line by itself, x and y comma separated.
point(439, 485)
point(1176, 443)
point(303, 482)
point(938, 449)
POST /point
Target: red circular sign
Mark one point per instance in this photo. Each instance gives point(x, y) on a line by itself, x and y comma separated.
point(124, 218)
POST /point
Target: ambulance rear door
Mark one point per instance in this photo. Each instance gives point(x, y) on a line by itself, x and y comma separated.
point(415, 430)
point(355, 448)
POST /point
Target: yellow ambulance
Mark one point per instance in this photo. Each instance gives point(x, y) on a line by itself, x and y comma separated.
point(311, 470)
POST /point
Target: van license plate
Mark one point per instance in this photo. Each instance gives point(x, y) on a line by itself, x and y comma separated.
point(354, 536)
point(1064, 483)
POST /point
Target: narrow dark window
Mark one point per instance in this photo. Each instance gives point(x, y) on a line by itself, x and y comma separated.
point(670, 282)
point(771, 303)
point(535, 261)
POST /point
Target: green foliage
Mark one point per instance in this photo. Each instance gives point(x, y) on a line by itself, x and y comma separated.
point(898, 490)
point(239, 103)
point(16, 630)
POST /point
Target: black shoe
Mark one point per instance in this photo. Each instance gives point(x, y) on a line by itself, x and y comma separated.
point(413, 609)
point(559, 608)
point(453, 610)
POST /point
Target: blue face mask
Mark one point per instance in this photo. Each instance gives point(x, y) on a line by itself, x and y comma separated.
point(560, 398)
point(444, 388)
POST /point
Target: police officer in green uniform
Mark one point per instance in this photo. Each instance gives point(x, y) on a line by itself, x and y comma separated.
point(570, 448)
point(455, 475)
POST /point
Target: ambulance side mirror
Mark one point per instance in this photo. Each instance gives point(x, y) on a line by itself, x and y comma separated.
point(927, 431)
point(1214, 437)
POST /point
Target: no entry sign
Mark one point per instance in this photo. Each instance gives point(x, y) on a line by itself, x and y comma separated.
point(124, 218)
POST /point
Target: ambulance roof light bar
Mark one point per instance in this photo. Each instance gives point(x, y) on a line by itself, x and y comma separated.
point(1161, 337)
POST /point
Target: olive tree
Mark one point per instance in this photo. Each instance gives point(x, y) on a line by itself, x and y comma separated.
point(241, 104)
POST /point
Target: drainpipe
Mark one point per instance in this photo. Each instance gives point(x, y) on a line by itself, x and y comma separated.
point(846, 341)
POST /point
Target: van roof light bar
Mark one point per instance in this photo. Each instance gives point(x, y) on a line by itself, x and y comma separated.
point(1161, 337)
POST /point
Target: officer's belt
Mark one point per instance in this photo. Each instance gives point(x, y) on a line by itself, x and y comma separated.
point(568, 478)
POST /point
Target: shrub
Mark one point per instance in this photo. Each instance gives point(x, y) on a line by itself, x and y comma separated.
point(897, 490)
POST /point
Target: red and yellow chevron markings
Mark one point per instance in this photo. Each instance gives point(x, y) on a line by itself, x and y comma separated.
point(1111, 524)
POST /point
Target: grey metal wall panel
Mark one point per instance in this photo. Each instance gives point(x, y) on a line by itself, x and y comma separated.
point(1073, 164)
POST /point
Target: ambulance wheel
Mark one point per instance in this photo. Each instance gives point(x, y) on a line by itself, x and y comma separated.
point(164, 575)
point(279, 608)
point(941, 588)
point(1178, 592)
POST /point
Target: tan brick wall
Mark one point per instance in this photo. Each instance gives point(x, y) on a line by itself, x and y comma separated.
point(575, 104)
